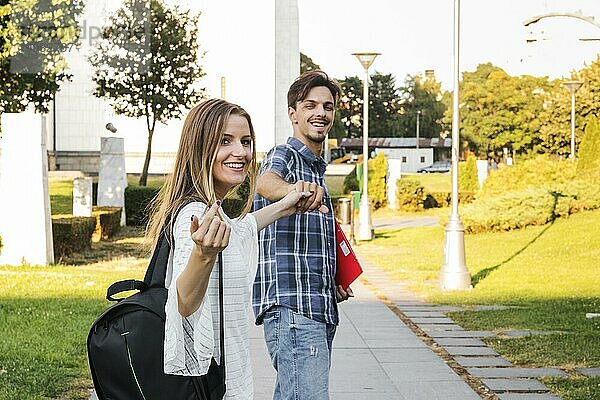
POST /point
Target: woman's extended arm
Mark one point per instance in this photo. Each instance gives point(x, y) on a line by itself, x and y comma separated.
point(210, 236)
point(282, 208)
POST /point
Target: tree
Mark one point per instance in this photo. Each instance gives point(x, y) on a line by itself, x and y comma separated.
point(501, 111)
point(348, 118)
point(589, 151)
point(307, 64)
point(556, 118)
point(384, 106)
point(424, 97)
point(384, 103)
point(147, 64)
point(34, 34)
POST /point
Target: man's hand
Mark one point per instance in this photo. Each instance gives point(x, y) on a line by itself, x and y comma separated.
point(343, 295)
point(211, 235)
point(311, 203)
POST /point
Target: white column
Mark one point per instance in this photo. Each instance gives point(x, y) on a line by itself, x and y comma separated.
point(25, 224)
point(287, 63)
point(82, 197)
point(112, 179)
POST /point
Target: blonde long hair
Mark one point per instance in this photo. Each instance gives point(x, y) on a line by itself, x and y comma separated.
point(192, 176)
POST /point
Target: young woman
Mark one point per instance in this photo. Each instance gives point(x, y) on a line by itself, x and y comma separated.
point(216, 153)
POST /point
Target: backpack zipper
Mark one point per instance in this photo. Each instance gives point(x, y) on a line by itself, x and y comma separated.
point(124, 334)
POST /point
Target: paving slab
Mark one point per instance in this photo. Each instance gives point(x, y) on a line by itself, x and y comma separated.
point(491, 307)
point(459, 342)
point(405, 355)
point(440, 327)
point(430, 321)
point(516, 334)
point(463, 334)
point(527, 396)
point(482, 361)
point(432, 371)
point(515, 385)
point(424, 314)
point(470, 351)
point(588, 371)
point(515, 372)
point(429, 307)
point(456, 390)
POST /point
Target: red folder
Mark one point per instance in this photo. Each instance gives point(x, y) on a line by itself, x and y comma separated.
point(347, 266)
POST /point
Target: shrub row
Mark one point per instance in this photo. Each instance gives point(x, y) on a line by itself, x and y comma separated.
point(412, 196)
point(108, 222)
point(72, 233)
point(532, 193)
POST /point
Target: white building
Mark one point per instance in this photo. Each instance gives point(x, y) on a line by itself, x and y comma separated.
point(411, 156)
point(258, 60)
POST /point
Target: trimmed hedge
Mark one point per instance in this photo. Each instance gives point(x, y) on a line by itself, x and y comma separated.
point(532, 193)
point(108, 222)
point(412, 196)
point(71, 234)
point(137, 199)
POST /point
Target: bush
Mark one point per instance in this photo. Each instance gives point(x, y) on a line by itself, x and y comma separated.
point(136, 202)
point(589, 150)
point(351, 182)
point(72, 234)
point(410, 195)
point(532, 193)
point(467, 175)
point(377, 180)
point(108, 222)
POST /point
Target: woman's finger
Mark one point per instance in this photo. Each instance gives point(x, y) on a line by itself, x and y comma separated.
point(209, 237)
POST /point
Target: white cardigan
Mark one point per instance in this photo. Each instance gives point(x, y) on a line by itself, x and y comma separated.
point(240, 260)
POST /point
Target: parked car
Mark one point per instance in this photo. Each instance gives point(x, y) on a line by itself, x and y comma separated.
point(437, 166)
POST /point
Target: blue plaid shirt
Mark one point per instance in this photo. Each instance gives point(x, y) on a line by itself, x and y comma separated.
point(296, 267)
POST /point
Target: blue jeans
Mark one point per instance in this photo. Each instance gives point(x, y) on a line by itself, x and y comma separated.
point(300, 350)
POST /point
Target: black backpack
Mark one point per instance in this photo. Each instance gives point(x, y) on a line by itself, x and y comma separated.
point(125, 344)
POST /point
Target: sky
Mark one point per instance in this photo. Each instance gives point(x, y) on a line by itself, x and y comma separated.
point(416, 35)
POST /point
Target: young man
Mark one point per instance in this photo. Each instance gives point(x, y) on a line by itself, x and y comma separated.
point(295, 296)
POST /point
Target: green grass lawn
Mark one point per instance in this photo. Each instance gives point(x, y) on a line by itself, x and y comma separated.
point(61, 196)
point(46, 312)
point(549, 273)
point(433, 182)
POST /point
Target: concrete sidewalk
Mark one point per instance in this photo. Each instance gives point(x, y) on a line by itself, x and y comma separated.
point(376, 356)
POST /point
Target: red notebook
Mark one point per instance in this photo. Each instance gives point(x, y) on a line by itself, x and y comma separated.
point(347, 266)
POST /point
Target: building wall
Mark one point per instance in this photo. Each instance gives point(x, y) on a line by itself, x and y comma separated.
point(412, 159)
point(233, 45)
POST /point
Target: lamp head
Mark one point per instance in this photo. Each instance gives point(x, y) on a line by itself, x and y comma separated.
point(111, 127)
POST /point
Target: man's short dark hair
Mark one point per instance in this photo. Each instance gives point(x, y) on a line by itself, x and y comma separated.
point(308, 80)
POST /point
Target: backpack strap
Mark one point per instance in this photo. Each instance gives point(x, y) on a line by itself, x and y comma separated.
point(221, 314)
point(124, 286)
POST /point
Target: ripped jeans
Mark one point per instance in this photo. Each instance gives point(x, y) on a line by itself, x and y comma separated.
point(300, 350)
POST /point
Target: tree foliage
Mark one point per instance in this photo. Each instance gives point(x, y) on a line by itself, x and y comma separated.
point(589, 151)
point(34, 34)
point(423, 98)
point(501, 111)
point(147, 64)
point(307, 64)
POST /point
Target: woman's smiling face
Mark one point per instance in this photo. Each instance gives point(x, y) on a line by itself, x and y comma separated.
point(234, 155)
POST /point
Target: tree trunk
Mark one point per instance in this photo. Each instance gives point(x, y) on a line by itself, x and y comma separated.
point(144, 175)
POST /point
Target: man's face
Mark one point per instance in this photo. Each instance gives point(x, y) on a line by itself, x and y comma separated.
point(313, 116)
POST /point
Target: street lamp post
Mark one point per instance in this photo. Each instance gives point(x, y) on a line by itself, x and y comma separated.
point(454, 274)
point(573, 87)
point(364, 210)
point(418, 117)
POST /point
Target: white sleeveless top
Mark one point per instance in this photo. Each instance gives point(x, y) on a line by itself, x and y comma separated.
point(191, 342)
